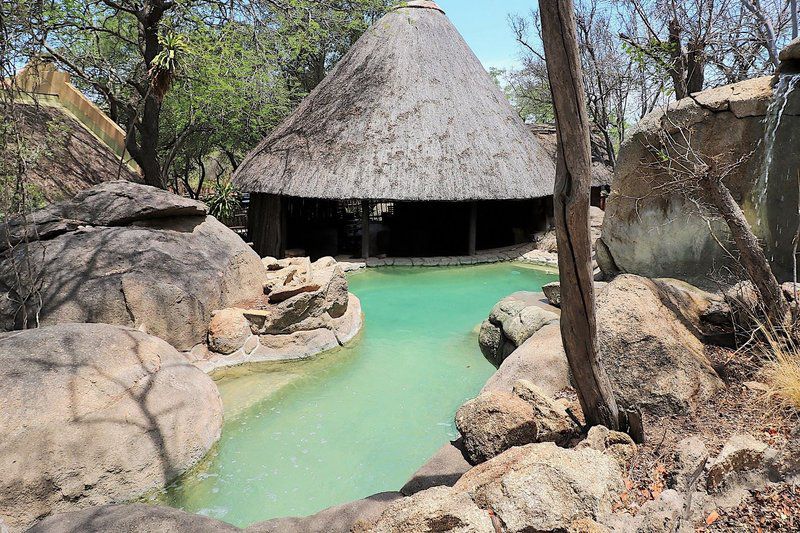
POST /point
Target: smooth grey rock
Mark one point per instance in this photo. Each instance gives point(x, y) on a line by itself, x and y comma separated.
point(163, 272)
point(494, 422)
point(113, 203)
point(443, 469)
point(541, 487)
point(663, 235)
point(338, 519)
point(511, 322)
point(540, 360)
point(528, 321)
point(493, 344)
point(131, 518)
point(94, 414)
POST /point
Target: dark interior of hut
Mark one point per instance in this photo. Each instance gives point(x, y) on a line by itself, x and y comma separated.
point(409, 229)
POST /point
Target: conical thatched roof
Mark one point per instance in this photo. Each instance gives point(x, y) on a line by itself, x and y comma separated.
point(409, 113)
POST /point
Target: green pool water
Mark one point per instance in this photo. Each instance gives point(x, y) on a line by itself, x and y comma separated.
point(303, 436)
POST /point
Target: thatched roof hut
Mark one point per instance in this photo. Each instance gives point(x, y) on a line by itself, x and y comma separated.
point(408, 115)
point(602, 170)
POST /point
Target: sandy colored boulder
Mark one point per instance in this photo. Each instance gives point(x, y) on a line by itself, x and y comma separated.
point(791, 52)
point(494, 422)
point(95, 414)
point(228, 331)
point(138, 257)
point(436, 510)
point(552, 421)
point(615, 444)
point(309, 302)
point(131, 518)
point(654, 362)
point(541, 487)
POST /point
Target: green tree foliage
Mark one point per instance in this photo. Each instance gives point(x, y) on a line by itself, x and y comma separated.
point(197, 83)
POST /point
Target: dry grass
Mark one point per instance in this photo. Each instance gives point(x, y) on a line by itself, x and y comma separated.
point(782, 366)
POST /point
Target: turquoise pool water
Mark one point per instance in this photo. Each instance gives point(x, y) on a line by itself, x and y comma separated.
point(303, 436)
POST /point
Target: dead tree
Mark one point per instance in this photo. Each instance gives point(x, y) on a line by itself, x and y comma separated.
point(571, 203)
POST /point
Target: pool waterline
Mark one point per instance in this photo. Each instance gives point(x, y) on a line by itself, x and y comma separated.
point(305, 435)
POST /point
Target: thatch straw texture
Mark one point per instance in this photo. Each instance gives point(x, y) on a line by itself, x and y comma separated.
point(408, 114)
point(602, 171)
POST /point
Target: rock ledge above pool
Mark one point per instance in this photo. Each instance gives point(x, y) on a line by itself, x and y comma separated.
point(306, 309)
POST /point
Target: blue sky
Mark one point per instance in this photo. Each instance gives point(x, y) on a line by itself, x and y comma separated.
point(484, 25)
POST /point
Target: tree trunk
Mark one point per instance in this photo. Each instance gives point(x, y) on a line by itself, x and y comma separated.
point(677, 70)
point(751, 254)
point(571, 203)
point(148, 124)
point(793, 7)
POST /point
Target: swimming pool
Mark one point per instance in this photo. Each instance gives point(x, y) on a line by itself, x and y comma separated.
point(303, 436)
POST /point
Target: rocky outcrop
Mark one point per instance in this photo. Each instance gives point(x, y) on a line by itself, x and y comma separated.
point(654, 362)
point(541, 487)
point(125, 254)
point(431, 511)
point(541, 360)
point(553, 424)
point(306, 310)
point(496, 421)
point(131, 518)
point(653, 230)
point(512, 321)
point(96, 414)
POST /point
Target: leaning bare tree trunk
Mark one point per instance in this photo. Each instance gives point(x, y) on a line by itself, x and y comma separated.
point(750, 253)
point(571, 202)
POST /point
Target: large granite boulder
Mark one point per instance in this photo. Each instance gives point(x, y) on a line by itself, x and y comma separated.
point(494, 422)
point(95, 414)
point(125, 254)
point(541, 487)
point(131, 518)
point(653, 230)
point(653, 360)
point(306, 310)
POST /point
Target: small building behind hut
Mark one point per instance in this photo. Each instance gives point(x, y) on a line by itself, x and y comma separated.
point(407, 148)
point(69, 143)
point(602, 168)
